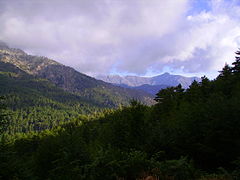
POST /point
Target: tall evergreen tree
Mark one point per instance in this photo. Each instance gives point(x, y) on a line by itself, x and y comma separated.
point(236, 64)
point(225, 73)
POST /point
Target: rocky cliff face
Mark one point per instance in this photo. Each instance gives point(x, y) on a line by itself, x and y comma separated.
point(29, 64)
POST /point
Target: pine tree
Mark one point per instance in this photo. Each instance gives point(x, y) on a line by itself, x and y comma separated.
point(225, 73)
point(236, 64)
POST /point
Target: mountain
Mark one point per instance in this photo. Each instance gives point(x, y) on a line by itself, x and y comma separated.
point(149, 84)
point(151, 89)
point(42, 93)
point(131, 81)
point(99, 92)
point(164, 79)
point(173, 80)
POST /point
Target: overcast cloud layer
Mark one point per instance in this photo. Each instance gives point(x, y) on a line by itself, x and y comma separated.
point(140, 37)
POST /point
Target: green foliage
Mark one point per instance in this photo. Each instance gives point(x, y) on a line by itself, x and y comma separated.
point(187, 134)
point(36, 104)
point(3, 121)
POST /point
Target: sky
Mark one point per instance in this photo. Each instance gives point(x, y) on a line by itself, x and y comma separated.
point(126, 37)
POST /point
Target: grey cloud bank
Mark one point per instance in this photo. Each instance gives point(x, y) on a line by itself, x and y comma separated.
point(125, 36)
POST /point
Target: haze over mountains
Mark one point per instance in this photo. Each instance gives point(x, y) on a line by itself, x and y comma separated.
point(59, 121)
point(149, 84)
point(49, 89)
point(94, 91)
point(42, 93)
point(75, 82)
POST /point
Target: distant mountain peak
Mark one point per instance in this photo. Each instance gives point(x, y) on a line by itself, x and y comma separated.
point(165, 74)
point(163, 80)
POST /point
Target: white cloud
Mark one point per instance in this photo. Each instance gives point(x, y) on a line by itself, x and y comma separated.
point(130, 36)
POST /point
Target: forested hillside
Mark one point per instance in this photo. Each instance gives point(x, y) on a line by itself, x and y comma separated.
point(34, 104)
point(189, 134)
point(41, 93)
point(96, 91)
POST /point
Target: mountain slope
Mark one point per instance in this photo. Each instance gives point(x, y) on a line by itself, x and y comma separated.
point(131, 81)
point(95, 91)
point(173, 80)
point(149, 84)
point(164, 79)
point(35, 104)
point(42, 93)
point(150, 89)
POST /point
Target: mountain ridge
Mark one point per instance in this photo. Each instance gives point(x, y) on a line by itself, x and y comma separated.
point(162, 79)
point(149, 84)
point(71, 80)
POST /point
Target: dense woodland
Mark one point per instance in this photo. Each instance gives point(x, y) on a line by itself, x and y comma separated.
point(187, 134)
point(34, 104)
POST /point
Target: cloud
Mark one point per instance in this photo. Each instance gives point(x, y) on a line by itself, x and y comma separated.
point(125, 36)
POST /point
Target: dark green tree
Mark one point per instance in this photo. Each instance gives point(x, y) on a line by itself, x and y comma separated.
point(225, 73)
point(236, 64)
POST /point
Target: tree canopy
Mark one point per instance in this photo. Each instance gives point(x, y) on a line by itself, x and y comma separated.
point(188, 134)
